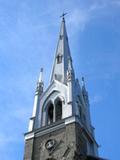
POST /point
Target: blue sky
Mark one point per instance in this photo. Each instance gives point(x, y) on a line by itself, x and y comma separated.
point(28, 38)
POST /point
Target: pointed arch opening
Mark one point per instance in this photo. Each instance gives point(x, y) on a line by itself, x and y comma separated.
point(59, 59)
point(50, 113)
point(58, 109)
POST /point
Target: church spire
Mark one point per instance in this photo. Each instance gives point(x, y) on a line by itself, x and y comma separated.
point(63, 56)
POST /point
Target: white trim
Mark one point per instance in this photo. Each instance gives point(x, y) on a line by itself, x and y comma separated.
point(72, 119)
point(29, 136)
point(31, 123)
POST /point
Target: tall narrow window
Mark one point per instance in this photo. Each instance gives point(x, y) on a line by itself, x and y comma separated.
point(50, 113)
point(61, 36)
point(58, 109)
point(59, 59)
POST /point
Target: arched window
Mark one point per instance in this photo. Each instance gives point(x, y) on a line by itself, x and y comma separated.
point(58, 109)
point(50, 113)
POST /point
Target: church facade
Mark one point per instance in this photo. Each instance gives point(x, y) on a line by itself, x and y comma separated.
point(60, 126)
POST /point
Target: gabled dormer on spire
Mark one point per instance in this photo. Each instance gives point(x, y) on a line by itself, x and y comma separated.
point(63, 56)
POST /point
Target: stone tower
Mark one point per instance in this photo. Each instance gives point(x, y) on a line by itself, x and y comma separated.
point(60, 127)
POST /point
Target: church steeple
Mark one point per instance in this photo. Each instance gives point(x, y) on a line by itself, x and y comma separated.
point(60, 126)
point(61, 62)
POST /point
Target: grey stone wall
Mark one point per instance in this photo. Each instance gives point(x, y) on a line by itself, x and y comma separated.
point(68, 141)
point(28, 149)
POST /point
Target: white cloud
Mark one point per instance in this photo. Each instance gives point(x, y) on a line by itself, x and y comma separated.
point(80, 17)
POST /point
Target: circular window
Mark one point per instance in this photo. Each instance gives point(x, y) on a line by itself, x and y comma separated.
point(50, 144)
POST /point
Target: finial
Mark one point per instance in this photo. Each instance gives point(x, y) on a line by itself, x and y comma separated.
point(83, 81)
point(63, 15)
point(41, 75)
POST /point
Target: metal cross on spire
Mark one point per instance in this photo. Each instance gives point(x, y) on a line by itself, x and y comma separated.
point(63, 15)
